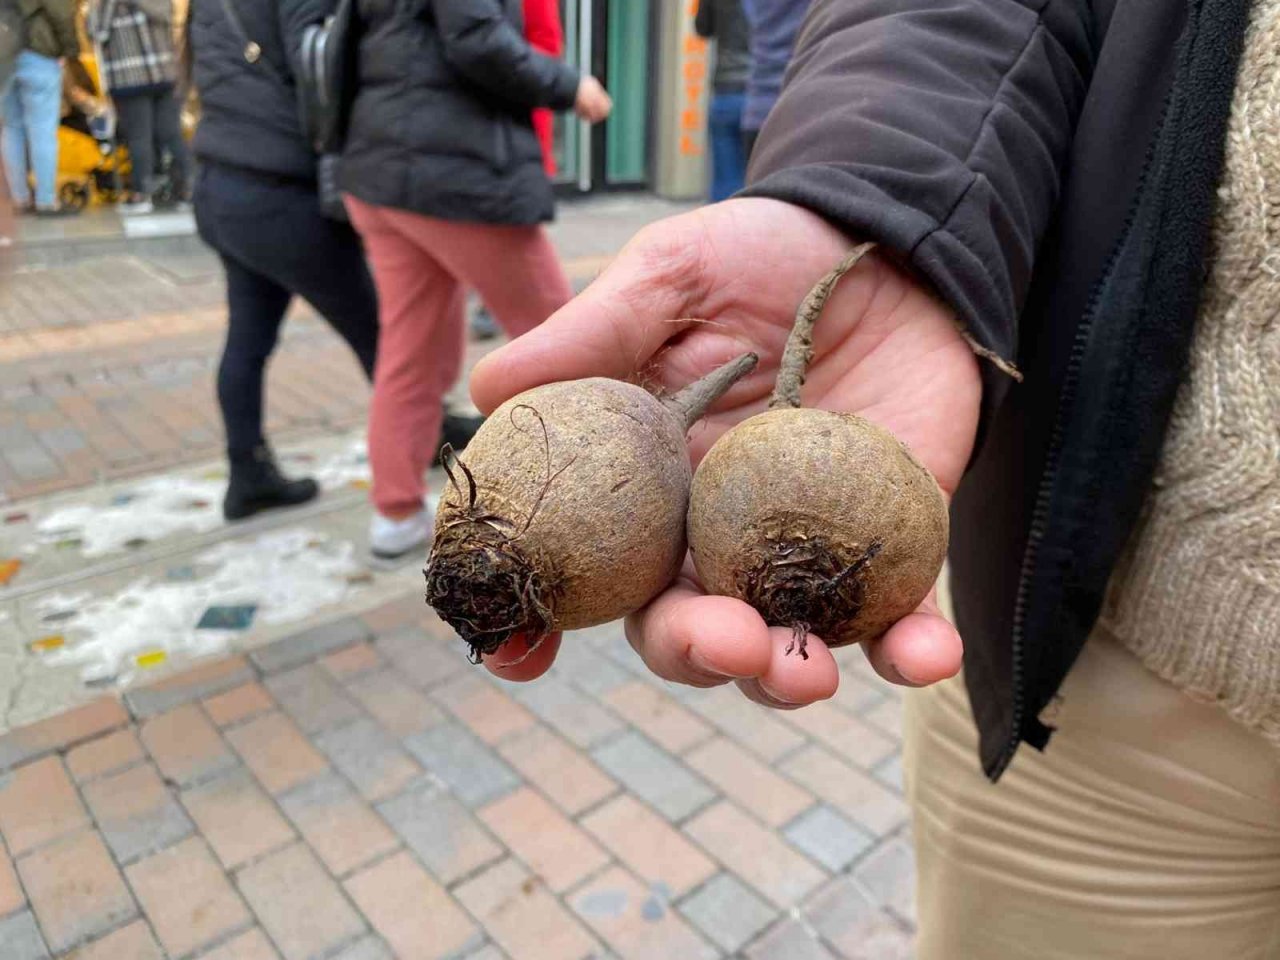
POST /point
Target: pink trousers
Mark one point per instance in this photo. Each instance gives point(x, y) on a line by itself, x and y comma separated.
point(422, 268)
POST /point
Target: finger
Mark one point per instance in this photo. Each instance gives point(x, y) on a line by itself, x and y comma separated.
point(791, 681)
point(688, 637)
point(515, 661)
point(613, 327)
point(920, 649)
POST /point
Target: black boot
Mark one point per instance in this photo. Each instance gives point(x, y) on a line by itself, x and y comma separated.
point(457, 431)
point(257, 484)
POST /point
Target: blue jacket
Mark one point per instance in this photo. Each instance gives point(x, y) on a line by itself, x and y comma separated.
point(773, 25)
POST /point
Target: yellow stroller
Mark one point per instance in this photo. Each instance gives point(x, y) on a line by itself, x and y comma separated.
point(92, 166)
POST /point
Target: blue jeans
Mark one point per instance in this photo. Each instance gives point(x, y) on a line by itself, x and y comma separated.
point(728, 159)
point(32, 107)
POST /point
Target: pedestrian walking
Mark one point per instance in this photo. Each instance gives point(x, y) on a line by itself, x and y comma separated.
point(724, 21)
point(257, 205)
point(32, 105)
point(1074, 323)
point(445, 181)
point(773, 26)
point(139, 69)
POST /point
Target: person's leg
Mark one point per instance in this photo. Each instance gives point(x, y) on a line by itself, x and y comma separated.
point(13, 141)
point(137, 127)
point(1150, 827)
point(167, 114)
point(420, 308)
point(42, 106)
point(728, 161)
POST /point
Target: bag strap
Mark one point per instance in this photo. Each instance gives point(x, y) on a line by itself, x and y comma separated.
point(252, 51)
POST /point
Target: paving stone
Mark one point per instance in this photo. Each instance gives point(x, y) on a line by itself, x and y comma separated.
point(351, 662)
point(727, 913)
point(251, 945)
point(187, 898)
point(888, 873)
point(396, 613)
point(888, 717)
point(188, 686)
point(848, 737)
point(754, 854)
point(544, 839)
point(29, 743)
point(107, 754)
point(490, 952)
point(890, 773)
point(11, 896)
point(402, 710)
point(570, 779)
point(746, 723)
point(855, 693)
point(309, 644)
point(366, 948)
point(828, 838)
point(522, 916)
point(789, 940)
point(370, 758)
point(653, 849)
point(654, 776)
point(37, 804)
point(574, 715)
point(414, 914)
point(133, 942)
point(299, 904)
point(638, 923)
point(311, 697)
point(279, 756)
point(420, 658)
point(738, 774)
point(339, 826)
point(185, 746)
point(238, 704)
point(465, 765)
point(589, 671)
point(853, 924)
point(851, 791)
point(20, 938)
point(237, 818)
point(135, 813)
point(488, 712)
point(659, 717)
point(448, 840)
point(75, 890)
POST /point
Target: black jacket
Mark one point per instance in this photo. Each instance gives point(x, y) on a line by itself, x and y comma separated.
point(724, 21)
point(441, 123)
point(1050, 166)
point(249, 111)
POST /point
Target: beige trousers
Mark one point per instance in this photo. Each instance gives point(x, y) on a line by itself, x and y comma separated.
point(1149, 829)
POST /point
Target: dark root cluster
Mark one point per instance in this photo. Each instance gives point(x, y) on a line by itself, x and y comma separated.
point(483, 586)
point(804, 584)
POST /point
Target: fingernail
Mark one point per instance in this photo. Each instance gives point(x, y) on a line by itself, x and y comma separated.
point(901, 677)
point(699, 663)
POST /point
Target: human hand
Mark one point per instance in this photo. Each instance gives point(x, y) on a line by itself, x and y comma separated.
point(884, 348)
point(592, 103)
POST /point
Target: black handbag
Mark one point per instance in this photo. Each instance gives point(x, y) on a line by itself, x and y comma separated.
point(327, 158)
point(327, 77)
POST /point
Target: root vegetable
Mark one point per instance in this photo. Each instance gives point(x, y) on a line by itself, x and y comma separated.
point(569, 510)
point(823, 522)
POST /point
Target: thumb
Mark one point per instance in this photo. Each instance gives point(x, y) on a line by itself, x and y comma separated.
point(615, 326)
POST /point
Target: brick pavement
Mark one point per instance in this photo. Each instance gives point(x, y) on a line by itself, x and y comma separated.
point(359, 791)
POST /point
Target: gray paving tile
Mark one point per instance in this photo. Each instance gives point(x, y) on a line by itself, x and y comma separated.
point(727, 912)
point(449, 841)
point(830, 839)
point(580, 719)
point(366, 948)
point(653, 775)
point(309, 644)
point(855, 925)
point(20, 938)
point(789, 940)
point(889, 772)
point(369, 757)
point(889, 875)
point(461, 761)
point(311, 697)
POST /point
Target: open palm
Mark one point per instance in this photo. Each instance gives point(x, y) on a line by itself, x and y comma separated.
point(691, 292)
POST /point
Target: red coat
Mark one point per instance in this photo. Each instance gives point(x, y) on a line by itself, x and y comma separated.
point(545, 34)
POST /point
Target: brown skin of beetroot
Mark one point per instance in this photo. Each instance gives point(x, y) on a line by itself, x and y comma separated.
point(567, 509)
point(822, 521)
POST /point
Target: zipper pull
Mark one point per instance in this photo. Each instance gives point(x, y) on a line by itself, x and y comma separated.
point(252, 52)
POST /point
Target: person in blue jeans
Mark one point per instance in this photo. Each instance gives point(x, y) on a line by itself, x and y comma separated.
point(33, 104)
point(724, 21)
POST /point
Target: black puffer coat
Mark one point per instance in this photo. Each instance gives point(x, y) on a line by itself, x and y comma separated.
point(249, 111)
point(441, 121)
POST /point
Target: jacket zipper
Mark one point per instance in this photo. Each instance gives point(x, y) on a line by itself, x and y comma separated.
point(1044, 492)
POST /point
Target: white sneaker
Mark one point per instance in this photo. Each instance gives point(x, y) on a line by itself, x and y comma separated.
point(391, 539)
point(137, 208)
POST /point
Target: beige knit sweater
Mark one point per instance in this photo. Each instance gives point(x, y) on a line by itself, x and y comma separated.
point(1197, 596)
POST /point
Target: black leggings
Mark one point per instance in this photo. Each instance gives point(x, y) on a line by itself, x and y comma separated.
point(151, 123)
point(274, 243)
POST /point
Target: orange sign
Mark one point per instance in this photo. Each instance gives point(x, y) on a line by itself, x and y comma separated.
point(693, 75)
